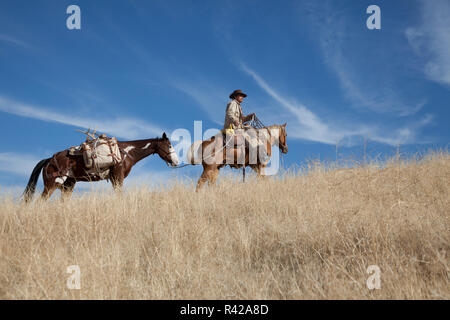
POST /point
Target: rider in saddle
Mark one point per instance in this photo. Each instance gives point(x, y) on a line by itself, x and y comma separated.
point(235, 119)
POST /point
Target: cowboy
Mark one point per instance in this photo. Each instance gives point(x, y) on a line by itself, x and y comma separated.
point(234, 115)
point(235, 119)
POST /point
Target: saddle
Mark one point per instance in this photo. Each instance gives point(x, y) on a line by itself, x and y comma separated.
point(243, 143)
point(236, 141)
point(232, 139)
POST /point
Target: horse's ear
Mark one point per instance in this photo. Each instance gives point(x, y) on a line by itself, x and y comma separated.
point(284, 125)
point(164, 136)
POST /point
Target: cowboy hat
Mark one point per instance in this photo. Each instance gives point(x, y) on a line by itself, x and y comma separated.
point(237, 92)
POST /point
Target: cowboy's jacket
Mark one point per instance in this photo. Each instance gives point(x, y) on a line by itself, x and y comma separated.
point(233, 115)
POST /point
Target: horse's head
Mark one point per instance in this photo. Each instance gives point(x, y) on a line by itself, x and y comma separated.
point(166, 152)
point(282, 143)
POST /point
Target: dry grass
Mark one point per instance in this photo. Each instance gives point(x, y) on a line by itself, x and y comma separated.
point(309, 236)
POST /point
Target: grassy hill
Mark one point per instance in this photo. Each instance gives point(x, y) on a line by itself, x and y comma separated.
point(308, 235)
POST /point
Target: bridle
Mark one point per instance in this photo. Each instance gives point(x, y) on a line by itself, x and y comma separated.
point(158, 150)
point(283, 146)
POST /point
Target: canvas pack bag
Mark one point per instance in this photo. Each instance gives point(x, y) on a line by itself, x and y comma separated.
point(101, 153)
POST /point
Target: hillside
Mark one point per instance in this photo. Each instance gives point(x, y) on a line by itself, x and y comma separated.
point(306, 236)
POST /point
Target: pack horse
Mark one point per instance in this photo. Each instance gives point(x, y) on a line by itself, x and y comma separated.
point(99, 158)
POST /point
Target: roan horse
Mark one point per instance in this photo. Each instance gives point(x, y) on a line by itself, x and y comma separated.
point(213, 161)
point(62, 163)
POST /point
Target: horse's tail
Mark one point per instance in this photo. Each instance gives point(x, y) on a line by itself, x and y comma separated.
point(31, 186)
point(194, 154)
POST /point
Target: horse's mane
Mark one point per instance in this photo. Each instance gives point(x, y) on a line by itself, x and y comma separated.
point(269, 128)
point(269, 131)
point(157, 139)
point(272, 126)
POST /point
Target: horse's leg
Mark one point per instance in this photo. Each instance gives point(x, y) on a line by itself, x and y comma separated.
point(67, 188)
point(203, 178)
point(117, 177)
point(259, 169)
point(49, 182)
point(212, 177)
point(49, 188)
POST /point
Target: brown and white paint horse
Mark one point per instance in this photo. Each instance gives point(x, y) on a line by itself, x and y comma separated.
point(213, 161)
point(73, 167)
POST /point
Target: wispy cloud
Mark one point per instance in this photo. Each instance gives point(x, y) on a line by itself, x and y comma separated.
point(14, 41)
point(140, 175)
point(190, 82)
point(152, 178)
point(17, 163)
point(431, 40)
point(124, 127)
point(310, 127)
point(138, 178)
point(9, 192)
point(208, 97)
point(373, 96)
point(367, 74)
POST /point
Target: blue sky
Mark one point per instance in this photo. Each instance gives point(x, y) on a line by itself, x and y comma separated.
point(137, 68)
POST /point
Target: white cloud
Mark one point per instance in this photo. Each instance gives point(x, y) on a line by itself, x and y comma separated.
point(210, 99)
point(367, 94)
point(431, 40)
point(310, 127)
point(366, 70)
point(152, 178)
point(14, 41)
point(17, 163)
point(13, 192)
point(129, 128)
point(139, 177)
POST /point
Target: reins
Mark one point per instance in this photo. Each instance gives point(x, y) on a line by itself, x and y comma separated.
point(256, 123)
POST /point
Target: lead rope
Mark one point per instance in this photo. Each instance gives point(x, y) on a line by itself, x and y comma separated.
point(209, 156)
point(179, 167)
